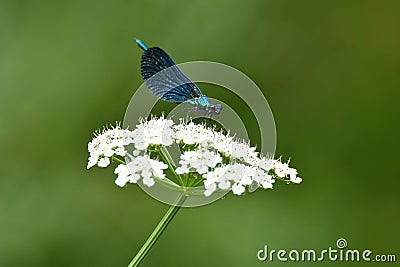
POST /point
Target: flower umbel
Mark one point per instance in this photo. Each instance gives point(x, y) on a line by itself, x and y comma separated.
point(216, 159)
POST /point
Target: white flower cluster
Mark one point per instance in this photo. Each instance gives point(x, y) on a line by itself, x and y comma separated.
point(239, 175)
point(197, 134)
point(199, 160)
point(282, 170)
point(140, 167)
point(106, 144)
point(222, 161)
point(157, 131)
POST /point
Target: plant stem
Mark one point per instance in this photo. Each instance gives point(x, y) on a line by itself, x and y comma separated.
point(117, 160)
point(167, 159)
point(167, 155)
point(162, 225)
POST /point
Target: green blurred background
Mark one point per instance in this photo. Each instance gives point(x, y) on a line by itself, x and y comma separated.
point(329, 69)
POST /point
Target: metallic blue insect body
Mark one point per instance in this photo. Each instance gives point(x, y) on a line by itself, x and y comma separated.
point(166, 81)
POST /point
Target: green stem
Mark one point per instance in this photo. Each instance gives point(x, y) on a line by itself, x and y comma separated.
point(167, 159)
point(162, 225)
point(168, 156)
point(117, 160)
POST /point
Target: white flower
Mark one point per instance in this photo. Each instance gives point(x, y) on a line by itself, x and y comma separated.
point(106, 144)
point(214, 177)
point(124, 176)
point(199, 160)
point(260, 177)
point(222, 143)
point(245, 152)
point(295, 179)
point(238, 189)
point(92, 161)
point(210, 188)
point(182, 169)
point(282, 170)
point(267, 182)
point(157, 131)
point(148, 181)
point(103, 162)
point(191, 133)
point(239, 175)
point(239, 150)
point(265, 163)
point(146, 168)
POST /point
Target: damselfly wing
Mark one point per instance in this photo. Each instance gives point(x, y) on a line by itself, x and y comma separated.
point(167, 82)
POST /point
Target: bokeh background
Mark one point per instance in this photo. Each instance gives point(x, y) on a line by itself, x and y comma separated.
point(329, 69)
